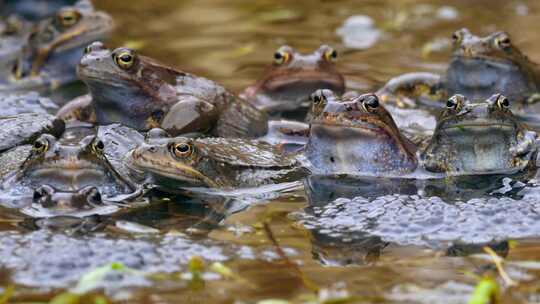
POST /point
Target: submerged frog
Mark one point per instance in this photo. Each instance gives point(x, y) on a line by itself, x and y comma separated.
point(288, 82)
point(356, 136)
point(142, 93)
point(479, 138)
point(76, 160)
point(479, 67)
point(212, 162)
point(55, 46)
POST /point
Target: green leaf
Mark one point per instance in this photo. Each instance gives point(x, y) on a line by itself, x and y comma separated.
point(93, 279)
point(486, 292)
point(7, 294)
point(66, 298)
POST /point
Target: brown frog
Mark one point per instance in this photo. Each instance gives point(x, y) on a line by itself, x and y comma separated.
point(142, 93)
point(356, 136)
point(288, 82)
point(474, 138)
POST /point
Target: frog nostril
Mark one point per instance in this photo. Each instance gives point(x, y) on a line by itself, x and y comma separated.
point(152, 150)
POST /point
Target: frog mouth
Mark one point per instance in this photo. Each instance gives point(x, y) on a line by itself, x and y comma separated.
point(480, 126)
point(160, 169)
point(311, 80)
point(472, 61)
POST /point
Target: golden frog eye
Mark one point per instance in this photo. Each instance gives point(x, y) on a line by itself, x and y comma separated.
point(331, 55)
point(503, 102)
point(281, 57)
point(503, 42)
point(457, 37)
point(68, 18)
point(455, 102)
point(182, 150)
point(98, 146)
point(124, 58)
point(41, 145)
point(369, 102)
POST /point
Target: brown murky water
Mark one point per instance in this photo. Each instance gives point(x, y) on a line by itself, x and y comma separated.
point(231, 42)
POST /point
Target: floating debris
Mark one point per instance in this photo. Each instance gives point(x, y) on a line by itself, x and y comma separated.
point(359, 32)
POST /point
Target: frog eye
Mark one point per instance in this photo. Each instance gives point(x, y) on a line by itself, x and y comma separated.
point(457, 36)
point(369, 102)
point(281, 57)
point(455, 102)
point(41, 145)
point(503, 102)
point(182, 150)
point(87, 50)
point(98, 146)
point(318, 98)
point(503, 41)
point(68, 18)
point(331, 55)
point(124, 58)
point(42, 195)
point(92, 195)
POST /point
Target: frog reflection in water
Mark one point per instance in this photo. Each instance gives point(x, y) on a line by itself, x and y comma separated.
point(288, 82)
point(55, 46)
point(212, 162)
point(479, 138)
point(479, 67)
point(139, 92)
point(85, 198)
point(356, 136)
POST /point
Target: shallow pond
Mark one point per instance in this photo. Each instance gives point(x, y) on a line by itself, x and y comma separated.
point(361, 241)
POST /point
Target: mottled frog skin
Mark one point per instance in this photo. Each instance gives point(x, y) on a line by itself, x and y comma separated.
point(288, 82)
point(356, 136)
point(142, 93)
point(212, 162)
point(479, 138)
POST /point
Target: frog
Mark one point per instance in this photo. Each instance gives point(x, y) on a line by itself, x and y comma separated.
point(175, 162)
point(54, 47)
point(477, 138)
point(69, 163)
point(479, 67)
point(288, 82)
point(142, 93)
point(356, 136)
point(34, 9)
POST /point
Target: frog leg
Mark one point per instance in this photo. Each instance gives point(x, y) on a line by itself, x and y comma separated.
point(189, 115)
point(534, 98)
point(405, 90)
point(79, 109)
